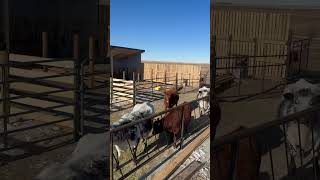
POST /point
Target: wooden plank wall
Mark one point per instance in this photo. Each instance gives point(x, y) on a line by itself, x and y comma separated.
point(184, 70)
point(240, 30)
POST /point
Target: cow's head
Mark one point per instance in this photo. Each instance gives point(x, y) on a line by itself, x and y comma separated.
point(301, 95)
point(203, 92)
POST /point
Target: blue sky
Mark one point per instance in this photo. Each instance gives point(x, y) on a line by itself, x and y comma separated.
point(168, 30)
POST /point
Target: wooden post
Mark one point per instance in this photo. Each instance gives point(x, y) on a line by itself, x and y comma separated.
point(4, 60)
point(138, 77)
point(152, 84)
point(123, 75)
point(199, 79)
point(91, 61)
point(189, 79)
point(76, 46)
point(134, 88)
point(44, 44)
point(165, 80)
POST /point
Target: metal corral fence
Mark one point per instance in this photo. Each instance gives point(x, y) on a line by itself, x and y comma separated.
point(260, 68)
point(127, 93)
point(125, 167)
point(272, 141)
point(44, 99)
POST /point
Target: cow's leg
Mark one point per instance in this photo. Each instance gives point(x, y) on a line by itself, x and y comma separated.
point(135, 151)
point(174, 141)
point(145, 140)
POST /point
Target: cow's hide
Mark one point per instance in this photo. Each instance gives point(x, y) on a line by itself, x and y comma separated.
point(134, 133)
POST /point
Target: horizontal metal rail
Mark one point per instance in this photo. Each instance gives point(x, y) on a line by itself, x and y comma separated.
point(153, 116)
point(228, 139)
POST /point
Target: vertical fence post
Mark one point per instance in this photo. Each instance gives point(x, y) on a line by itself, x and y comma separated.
point(176, 80)
point(123, 75)
point(189, 79)
point(289, 49)
point(255, 56)
point(91, 61)
point(82, 93)
point(200, 79)
point(76, 83)
point(134, 88)
point(44, 44)
point(263, 76)
point(307, 58)
point(138, 77)
point(213, 65)
point(229, 52)
point(4, 61)
point(76, 115)
point(165, 80)
point(240, 76)
point(76, 46)
point(301, 46)
point(152, 84)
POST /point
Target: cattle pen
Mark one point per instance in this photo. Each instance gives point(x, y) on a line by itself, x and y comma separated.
point(127, 93)
point(157, 150)
point(49, 103)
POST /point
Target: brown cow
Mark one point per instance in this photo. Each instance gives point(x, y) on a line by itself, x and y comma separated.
point(171, 123)
point(171, 97)
point(247, 163)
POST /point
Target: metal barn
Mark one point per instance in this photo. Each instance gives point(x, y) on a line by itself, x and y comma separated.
point(125, 62)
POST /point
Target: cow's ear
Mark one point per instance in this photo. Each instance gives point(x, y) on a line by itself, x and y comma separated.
point(288, 96)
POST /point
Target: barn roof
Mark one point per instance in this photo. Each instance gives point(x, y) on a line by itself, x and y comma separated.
point(121, 52)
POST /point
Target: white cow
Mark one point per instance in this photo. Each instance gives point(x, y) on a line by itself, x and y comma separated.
point(297, 97)
point(133, 134)
point(204, 104)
